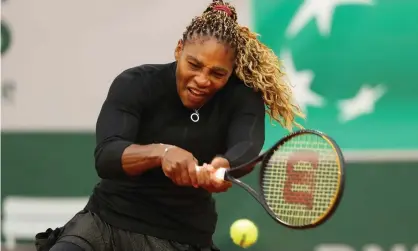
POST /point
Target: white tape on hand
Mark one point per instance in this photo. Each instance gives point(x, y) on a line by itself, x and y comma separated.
point(219, 173)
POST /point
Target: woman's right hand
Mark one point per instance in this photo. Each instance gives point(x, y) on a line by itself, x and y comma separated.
point(180, 166)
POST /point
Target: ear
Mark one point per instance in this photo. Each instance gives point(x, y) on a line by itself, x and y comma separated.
point(178, 49)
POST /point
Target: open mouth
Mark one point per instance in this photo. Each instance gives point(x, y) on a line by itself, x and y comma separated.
point(196, 92)
point(196, 96)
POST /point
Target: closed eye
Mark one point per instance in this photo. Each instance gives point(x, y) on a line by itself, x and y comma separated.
point(218, 75)
point(194, 66)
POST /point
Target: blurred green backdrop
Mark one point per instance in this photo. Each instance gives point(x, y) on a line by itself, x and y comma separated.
point(353, 68)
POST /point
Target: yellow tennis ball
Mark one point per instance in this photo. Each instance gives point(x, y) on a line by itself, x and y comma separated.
point(244, 233)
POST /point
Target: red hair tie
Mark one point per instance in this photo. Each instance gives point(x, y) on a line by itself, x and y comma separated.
point(223, 8)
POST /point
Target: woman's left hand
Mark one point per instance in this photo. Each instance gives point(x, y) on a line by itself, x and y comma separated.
point(216, 185)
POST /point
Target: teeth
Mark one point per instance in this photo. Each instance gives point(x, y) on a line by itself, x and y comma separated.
point(196, 92)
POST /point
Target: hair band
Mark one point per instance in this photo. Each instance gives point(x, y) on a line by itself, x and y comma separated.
point(223, 8)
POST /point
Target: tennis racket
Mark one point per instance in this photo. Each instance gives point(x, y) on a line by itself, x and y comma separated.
point(301, 179)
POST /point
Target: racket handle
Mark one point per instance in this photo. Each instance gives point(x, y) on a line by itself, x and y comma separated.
point(219, 173)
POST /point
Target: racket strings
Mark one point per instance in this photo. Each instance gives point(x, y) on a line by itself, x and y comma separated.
point(301, 180)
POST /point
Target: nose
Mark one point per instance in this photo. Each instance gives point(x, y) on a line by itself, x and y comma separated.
point(202, 80)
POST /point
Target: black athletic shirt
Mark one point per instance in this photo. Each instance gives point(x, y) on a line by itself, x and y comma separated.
point(143, 107)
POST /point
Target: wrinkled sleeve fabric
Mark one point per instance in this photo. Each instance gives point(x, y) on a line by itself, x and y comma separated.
point(118, 124)
point(246, 130)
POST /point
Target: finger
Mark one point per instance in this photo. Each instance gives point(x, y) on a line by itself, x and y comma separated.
point(168, 171)
point(181, 178)
point(179, 181)
point(177, 174)
point(184, 176)
point(173, 176)
point(200, 175)
point(217, 183)
point(205, 177)
point(219, 162)
point(226, 186)
point(192, 173)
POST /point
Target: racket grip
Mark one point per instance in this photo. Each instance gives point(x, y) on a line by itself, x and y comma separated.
point(219, 173)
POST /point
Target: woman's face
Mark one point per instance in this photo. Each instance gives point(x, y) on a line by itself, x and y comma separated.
point(204, 66)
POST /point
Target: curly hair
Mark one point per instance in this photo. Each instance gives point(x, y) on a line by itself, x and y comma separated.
point(255, 64)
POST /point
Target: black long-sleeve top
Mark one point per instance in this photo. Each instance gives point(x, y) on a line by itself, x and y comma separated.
point(143, 107)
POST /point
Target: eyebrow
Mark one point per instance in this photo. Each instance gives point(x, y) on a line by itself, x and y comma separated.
point(215, 68)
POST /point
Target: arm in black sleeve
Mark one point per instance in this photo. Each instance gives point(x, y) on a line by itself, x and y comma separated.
point(117, 125)
point(246, 130)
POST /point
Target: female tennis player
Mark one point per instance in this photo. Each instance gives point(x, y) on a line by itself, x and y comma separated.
point(158, 121)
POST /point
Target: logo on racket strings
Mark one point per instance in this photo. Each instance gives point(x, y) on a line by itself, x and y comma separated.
point(303, 178)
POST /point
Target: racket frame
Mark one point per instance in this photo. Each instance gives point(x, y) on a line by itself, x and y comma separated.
point(233, 175)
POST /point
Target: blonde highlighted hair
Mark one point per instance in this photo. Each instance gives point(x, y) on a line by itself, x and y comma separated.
point(255, 64)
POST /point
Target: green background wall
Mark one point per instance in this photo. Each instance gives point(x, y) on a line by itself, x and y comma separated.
point(380, 204)
point(370, 44)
